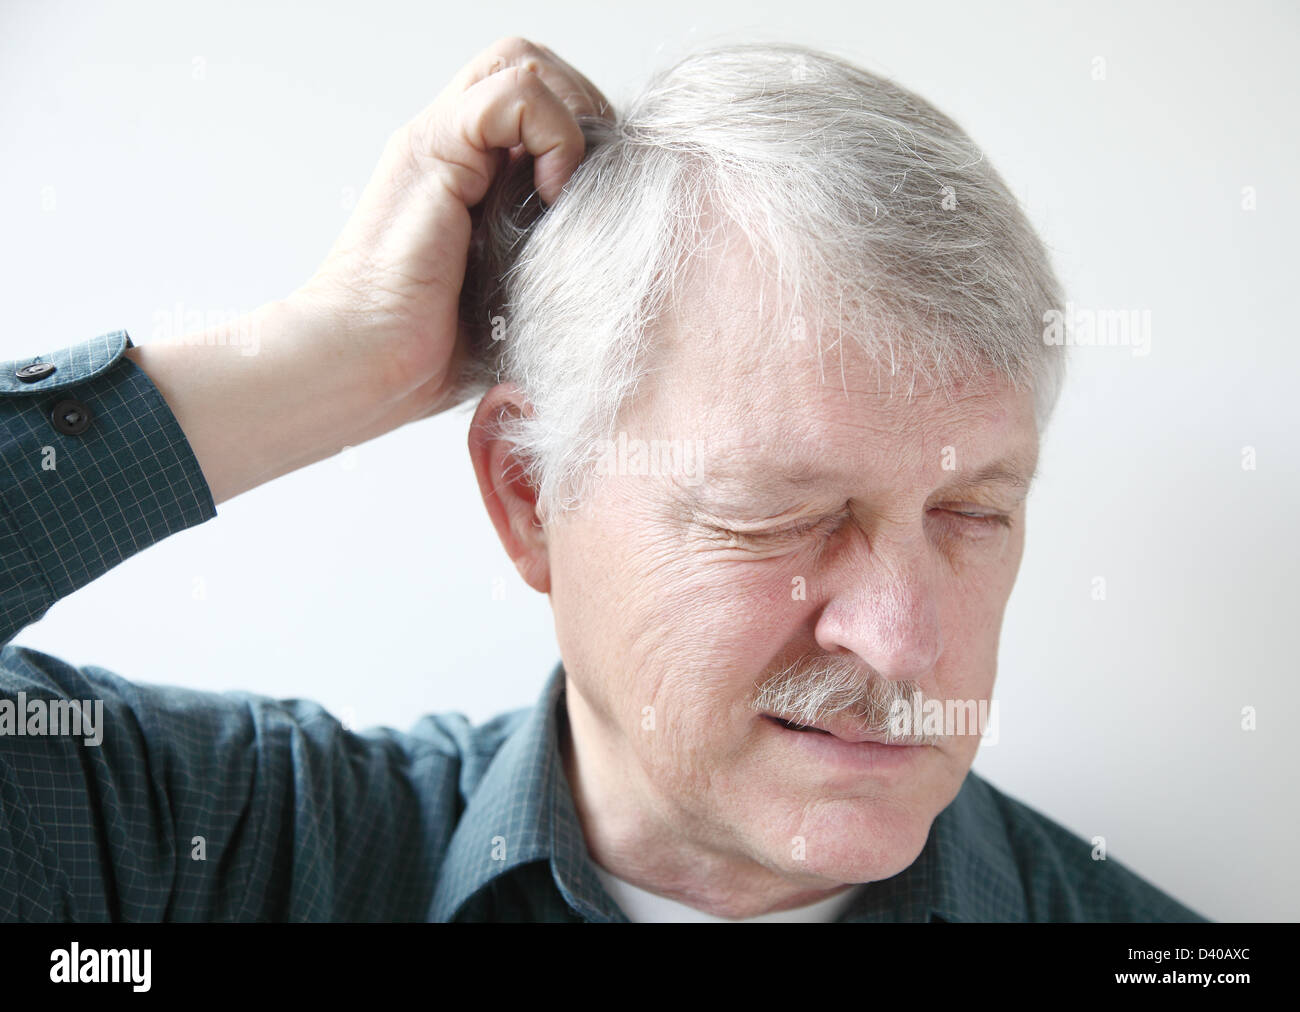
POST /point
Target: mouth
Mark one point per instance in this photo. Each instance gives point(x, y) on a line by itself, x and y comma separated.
point(844, 747)
point(791, 725)
point(844, 730)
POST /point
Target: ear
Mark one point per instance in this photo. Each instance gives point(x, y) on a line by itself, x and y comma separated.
point(510, 500)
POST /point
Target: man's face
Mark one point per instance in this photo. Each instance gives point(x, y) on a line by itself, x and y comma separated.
point(826, 523)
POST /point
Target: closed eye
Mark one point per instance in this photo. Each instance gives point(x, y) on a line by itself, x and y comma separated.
point(976, 521)
point(825, 525)
point(979, 519)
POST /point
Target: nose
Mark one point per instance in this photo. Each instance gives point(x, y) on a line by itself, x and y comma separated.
point(882, 605)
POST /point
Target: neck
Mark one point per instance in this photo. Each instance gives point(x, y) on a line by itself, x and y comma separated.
point(644, 839)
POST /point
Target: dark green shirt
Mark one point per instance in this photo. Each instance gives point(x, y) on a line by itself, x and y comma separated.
point(233, 806)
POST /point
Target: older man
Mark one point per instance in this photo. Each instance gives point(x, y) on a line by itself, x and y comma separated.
point(760, 399)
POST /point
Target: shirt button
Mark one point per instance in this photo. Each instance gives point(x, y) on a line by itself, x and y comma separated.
point(35, 371)
point(70, 417)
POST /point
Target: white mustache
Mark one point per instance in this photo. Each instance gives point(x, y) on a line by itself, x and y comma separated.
point(812, 693)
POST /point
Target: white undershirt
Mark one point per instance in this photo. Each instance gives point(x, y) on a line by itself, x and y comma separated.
point(644, 907)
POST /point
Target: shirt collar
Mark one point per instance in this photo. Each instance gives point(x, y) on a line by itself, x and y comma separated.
point(977, 879)
point(965, 872)
point(522, 811)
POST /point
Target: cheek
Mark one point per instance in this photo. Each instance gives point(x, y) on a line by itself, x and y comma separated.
point(710, 629)
point(972, 612)
point(975, 592)
point(738, 624)
point(974, 604)
point(663, 623)
point(659, 585)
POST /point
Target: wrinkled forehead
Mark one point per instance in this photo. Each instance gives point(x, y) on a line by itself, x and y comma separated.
point(734, 368)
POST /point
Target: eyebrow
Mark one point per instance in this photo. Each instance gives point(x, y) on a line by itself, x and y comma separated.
point(1011, 470)
point(1015, 470)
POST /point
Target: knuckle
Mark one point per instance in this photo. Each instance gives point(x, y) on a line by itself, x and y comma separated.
point(527, 81)
point(516, 45)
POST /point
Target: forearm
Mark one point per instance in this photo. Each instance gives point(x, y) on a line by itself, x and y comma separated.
point(261, 396)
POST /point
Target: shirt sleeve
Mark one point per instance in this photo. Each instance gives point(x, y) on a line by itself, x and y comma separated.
point(134, 802)
point(94, 468)
point(171, 804)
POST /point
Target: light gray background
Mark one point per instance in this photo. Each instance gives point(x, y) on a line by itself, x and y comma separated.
point(157, 154)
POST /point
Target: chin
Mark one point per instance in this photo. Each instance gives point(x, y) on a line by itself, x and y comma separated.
point(850, 840)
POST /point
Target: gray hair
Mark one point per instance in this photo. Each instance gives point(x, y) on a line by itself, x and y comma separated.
point(875, 214)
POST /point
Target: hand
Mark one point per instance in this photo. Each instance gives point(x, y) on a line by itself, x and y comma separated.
point(389, 289)
point(373, 339)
